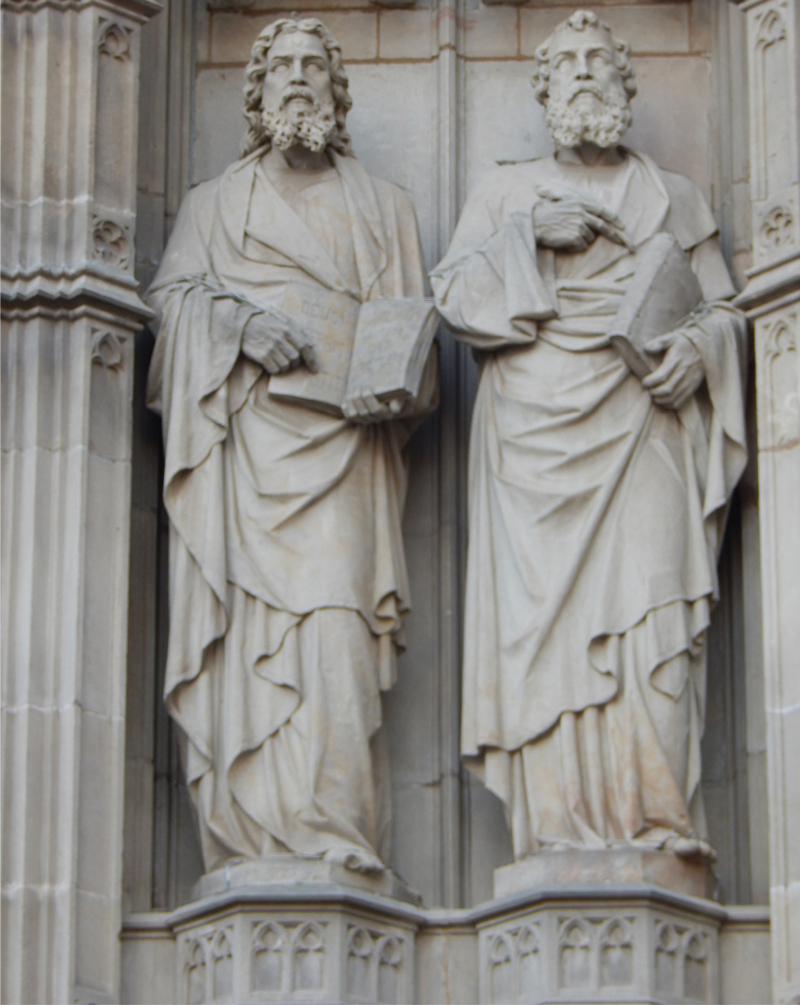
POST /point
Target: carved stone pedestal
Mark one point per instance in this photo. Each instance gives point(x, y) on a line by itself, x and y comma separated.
point(307, 942)
point(328, 942)
point(606, 943)
point(279, 871)
point(576, 868)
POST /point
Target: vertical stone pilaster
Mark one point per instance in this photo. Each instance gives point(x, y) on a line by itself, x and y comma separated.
point(772, 300)
point(70, 309)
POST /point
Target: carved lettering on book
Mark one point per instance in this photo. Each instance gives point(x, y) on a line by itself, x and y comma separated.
point(115, 40)
point(110, 243)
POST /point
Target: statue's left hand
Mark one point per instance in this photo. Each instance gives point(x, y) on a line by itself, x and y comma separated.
point(681, 371)
point(367, 408)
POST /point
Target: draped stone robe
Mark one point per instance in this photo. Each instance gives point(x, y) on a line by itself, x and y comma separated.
point(288, 584)
point(595, 516)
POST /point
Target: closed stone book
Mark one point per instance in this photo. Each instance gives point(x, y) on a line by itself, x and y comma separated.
point(379, 347)
point(663, 293)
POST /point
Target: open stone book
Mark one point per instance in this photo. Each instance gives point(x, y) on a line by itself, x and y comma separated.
point(663, 294)
point(380, 346)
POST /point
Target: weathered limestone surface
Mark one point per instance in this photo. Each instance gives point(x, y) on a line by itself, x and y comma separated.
point(70, 310)
point(434, 80)
point(612, 943)
point(772, 298)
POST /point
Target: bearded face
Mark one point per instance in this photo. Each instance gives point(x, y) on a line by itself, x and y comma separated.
point(297, 97)
point(587, 102)
point(300, 118)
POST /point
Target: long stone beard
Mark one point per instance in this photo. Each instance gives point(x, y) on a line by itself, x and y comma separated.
point(313, 126)
point(602, 122)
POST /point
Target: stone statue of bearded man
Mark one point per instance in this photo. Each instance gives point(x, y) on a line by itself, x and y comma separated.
point(288, 585)
point(597, 500)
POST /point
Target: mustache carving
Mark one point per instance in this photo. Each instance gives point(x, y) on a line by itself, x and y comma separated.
point(585, 87)
point(298, 91)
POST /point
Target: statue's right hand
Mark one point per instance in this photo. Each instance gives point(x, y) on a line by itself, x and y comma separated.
point(277, 343)
point(566, 219)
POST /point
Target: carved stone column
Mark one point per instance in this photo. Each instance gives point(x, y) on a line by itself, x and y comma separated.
point(772, 300)
point(69, 308)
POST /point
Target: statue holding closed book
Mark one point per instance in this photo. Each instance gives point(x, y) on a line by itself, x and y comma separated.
point(293, 356)
point(607, 438)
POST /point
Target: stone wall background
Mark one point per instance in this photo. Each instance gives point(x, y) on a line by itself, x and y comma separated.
point(440, 93)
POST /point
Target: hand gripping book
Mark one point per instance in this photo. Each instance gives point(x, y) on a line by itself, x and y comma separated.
point(663, 293)
point(380, 347)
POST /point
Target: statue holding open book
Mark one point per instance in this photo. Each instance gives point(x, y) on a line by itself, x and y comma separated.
point(607, 438)
point(294, 355)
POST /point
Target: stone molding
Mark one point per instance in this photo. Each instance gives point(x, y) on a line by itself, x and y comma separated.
point(242, 945)
point(70, 311)
point(771, 299)
point(69, 191)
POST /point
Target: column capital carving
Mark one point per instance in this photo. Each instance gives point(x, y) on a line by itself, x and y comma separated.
point(70, 226)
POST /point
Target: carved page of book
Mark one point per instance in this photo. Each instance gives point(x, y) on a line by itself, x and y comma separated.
point(392, 343)
point(330, 319)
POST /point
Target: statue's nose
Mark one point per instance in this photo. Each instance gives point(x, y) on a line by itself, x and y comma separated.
point(582, 71)
point(298, 72)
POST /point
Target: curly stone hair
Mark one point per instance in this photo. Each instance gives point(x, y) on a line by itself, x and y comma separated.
point(256, 136)
point(579, 21)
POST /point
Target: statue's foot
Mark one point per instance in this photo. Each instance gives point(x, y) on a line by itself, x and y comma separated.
point(693, 849)
point(354, 858)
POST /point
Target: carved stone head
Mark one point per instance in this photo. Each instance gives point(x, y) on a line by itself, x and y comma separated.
point(296, 89)
point(585, 79)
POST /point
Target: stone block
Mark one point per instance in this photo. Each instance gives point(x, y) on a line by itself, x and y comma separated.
point(416, 820)
point(490, 87)
point(148, 968)
point(574, 868)
point(489, 840)
point(447, 965)
point(299, 873)
point(406, 34)
point(744, 955)
point(700, 12)
point(316, 8)
point(233, 34)
point(677, 142)
point(647, 28)
point(219, 123)
point(393, 109)
point(491, 32)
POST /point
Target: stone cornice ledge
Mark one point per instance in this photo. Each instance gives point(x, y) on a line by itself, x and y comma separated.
point(163, 924)
point(770, 289)
point(142, 10)
point(111, 291)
